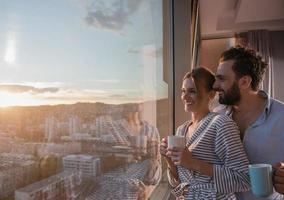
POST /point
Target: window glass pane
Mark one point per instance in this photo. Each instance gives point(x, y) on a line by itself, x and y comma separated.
point(83, 98)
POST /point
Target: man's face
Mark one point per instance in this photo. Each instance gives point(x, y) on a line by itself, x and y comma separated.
point(226, 84)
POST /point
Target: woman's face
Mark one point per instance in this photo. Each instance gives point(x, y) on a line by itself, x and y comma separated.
point(194, 100)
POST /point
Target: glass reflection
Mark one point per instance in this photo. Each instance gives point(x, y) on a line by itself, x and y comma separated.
point(76, 82)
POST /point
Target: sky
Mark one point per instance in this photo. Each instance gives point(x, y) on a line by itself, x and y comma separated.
point(68, 51)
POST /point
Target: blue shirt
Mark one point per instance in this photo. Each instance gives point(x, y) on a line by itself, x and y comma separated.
point(264, 140)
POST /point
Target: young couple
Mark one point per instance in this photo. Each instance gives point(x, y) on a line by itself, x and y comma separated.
point(247, 129)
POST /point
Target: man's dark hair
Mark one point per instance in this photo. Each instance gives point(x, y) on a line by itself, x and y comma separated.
point(246, 62)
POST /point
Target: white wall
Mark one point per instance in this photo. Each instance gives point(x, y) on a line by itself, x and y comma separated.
point(210, 51)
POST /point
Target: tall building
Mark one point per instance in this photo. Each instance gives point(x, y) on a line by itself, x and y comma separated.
point(51, 129)
point(88, 165)
point(61, 186)
point(74, 125)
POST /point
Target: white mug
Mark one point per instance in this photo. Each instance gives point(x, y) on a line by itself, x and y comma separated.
point(175, 141)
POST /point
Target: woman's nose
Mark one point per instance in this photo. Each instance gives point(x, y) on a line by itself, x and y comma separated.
point(185, 96)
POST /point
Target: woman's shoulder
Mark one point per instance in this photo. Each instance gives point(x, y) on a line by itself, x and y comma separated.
point(181, 129)
point(225, 126)
point(221, 120)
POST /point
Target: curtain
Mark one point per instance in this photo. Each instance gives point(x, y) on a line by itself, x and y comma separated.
point(195, 33)
point(259, 40)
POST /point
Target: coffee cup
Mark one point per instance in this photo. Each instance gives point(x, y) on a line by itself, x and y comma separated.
point(261, 179)
point(175, 141)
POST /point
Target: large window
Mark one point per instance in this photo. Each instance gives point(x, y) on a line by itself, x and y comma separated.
point(84, 98)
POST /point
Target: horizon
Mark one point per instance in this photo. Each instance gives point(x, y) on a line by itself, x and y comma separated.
point(77, 102)
point(80, 102)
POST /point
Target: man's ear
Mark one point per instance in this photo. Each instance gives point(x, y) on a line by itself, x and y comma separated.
point(245, 82)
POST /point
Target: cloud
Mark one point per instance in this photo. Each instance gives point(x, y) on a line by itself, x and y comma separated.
point(112, 15)
point(75, 94)
point(117, 96)
point(25, 88)
point(39, 84)
point(90, 95)
point(155, 52)
point(107, 81)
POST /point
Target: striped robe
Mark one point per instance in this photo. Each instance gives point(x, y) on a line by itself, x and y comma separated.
point(216, 140)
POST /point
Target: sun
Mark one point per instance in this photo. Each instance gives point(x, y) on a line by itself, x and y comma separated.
point(15, 99)
point(10, 54)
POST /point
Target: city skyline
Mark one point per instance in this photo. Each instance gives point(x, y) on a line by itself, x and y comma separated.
point(64, 52)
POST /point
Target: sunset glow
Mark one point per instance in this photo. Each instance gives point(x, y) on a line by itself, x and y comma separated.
point(14, 99)
point(27, 95)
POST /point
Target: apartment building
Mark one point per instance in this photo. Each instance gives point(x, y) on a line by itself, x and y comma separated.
point(89, 166)
point(61, 186)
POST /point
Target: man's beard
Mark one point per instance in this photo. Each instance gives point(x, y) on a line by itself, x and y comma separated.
point(232, 96)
